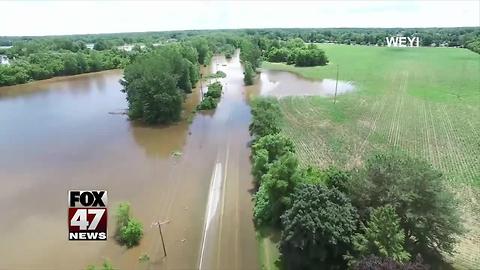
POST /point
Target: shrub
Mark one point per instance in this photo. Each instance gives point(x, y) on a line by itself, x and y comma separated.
point(208, 103)
point(129, 230)
point(132, 233)
point(214, 90)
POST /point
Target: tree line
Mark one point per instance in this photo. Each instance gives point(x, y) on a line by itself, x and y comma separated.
point(451, 36)
point(44, 60)
point(295, 52)
point(393, 213)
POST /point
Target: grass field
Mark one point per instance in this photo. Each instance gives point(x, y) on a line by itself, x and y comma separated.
point(423, 101)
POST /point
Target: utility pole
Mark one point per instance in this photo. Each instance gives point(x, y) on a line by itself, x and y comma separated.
point(336, 86)
point(161, 235)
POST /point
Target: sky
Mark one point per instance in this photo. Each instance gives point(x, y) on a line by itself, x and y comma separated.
point(20, 18)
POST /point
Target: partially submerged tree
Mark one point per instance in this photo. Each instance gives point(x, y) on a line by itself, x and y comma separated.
point(129, 230)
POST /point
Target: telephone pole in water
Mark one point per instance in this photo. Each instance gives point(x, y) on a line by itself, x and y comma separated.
point(336, 86)
point(161, 235)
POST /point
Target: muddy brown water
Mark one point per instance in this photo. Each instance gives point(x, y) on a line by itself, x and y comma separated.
point(282, 84)
point(58, 134)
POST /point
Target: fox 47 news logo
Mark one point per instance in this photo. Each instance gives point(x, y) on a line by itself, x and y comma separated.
point(87, 215)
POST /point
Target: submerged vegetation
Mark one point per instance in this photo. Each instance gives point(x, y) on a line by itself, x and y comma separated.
point(129, 230)
point(156, 83)
point(211, 97)
point(401, 202)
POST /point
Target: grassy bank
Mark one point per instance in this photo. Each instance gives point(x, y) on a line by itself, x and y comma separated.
point(422, 101)
point(269, 253)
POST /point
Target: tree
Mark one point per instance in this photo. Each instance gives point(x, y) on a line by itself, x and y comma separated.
point(382, 236)
point(317, 228)
point(204, 54)
point(275, 144)
point(337, 178)
point(427, 211)
point(266, 116)
point(262, 210)
point(70, 64)
point(249, 73)
point(280, 181)
point(250, 52)
point(151, 86)
point(102, 45)
point(278, 55)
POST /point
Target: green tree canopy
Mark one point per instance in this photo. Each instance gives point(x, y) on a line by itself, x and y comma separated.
point(151, 86)
point(317, 228)
point(382, 236)
point(426, 209)
point(266, 117)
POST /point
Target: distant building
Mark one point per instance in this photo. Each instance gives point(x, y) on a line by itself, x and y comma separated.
point(4, 60)
point(89, 46)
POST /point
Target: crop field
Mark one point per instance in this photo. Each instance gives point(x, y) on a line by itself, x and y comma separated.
point(422, 101)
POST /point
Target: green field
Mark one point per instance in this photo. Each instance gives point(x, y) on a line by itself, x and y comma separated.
point(423, 101)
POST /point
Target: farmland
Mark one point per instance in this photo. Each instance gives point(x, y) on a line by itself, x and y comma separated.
point(422, 101)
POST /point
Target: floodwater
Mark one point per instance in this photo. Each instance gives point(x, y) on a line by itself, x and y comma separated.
point(58, 134)
point(69, 133)
point(282, 83)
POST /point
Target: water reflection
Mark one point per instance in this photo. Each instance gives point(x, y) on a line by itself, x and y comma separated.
point(160, 141)
point(283, 83)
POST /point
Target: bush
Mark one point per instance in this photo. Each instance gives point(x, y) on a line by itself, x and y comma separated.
point(123, 214)
point(208, 103)
point(132, 233)
point(129, 230)
point(218, 74)
point(214, 90)
point(105, 266)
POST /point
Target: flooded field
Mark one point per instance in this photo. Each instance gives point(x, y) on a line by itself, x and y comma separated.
point(67, 133)
point(283, 83)
point(58, 135)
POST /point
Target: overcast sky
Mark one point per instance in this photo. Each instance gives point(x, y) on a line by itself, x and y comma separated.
point(71, 17)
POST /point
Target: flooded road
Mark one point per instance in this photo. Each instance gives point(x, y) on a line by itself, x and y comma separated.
point(283, 83)
point(58, 135)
